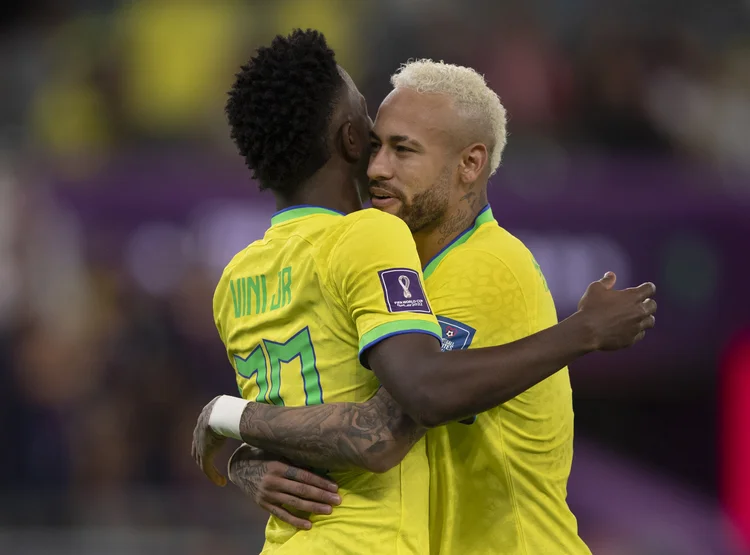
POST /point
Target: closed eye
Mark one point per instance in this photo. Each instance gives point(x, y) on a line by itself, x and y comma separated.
point(401, 148)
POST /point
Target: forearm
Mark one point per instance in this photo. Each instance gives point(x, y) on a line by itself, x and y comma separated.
point(374, 435)
point(443, 387)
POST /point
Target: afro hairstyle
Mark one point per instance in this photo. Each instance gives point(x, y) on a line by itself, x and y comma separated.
point(280, 107)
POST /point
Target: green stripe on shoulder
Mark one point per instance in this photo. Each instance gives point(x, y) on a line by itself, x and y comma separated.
point(299, 212)
point(400, 326)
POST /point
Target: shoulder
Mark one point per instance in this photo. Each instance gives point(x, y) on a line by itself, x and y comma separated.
point(491, 261)
point(247, 259)
point(235, 263)
point(488, 283)
point(493, 249)
point(371, 227)
point(370, 218)
point(226, 276)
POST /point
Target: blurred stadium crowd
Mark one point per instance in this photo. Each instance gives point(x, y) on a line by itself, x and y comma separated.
point(85, 79)
point(104, 364)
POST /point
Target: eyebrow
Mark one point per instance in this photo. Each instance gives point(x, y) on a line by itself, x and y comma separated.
point(396, 139)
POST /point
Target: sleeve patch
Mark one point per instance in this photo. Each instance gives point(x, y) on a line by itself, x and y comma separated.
point(456, 335)
point(403, 291)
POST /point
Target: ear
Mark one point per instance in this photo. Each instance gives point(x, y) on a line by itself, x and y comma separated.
point(351, 143)
point(474, 160)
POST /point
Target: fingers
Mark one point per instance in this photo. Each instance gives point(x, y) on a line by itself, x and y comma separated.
point(608, 280)
point(286, 516)
point(303, 491)
point(644, 291)
point(213, 474)
point(307, 477)
point(649, 306)
point(206, 463)
point(647, 323)
point(302, 504)
point(203, 455)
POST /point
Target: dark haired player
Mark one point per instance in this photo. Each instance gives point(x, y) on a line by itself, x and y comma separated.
point(330, 304)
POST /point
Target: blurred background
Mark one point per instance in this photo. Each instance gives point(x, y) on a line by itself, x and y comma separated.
point(121, 199)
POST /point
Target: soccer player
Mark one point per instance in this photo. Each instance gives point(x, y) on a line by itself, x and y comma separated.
point(500, 484)
point(329, 305)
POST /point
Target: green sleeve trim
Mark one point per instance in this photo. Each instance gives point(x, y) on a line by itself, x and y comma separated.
point(389, 329)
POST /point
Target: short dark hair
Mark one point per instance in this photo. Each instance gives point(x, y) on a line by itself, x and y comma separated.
point(280, 107)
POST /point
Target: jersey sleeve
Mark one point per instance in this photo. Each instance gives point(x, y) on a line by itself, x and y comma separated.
point(376, 270)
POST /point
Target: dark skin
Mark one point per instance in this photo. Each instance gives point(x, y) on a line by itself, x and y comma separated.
point(436, 181)
point(338, 183)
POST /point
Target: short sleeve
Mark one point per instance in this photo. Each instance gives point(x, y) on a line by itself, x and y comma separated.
point(376, 270)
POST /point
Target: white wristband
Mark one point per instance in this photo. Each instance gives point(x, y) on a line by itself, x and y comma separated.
point(226, 415)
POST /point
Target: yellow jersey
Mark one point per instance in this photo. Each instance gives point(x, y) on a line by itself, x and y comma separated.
point(295, 310)
point(499, 485)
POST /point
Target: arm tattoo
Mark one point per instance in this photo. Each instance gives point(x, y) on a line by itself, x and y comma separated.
point(374, 435)
point(249, 475)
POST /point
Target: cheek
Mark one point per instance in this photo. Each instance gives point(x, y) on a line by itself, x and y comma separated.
point(415, 178)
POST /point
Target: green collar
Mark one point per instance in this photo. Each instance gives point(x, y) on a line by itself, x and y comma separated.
point(299, 211)
point(484, 216)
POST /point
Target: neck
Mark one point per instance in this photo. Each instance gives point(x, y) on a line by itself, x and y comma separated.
point(434, 238)
point(327, 188)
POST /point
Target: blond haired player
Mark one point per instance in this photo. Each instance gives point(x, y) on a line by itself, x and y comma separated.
point(498, 485)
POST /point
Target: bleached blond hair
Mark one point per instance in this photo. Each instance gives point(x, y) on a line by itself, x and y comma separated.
point(468, 89)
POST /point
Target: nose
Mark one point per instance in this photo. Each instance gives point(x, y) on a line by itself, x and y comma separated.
point(380, 168)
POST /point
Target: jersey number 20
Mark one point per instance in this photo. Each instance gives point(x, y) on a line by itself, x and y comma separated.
point(271, 354)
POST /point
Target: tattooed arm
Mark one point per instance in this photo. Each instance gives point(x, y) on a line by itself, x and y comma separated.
point(276, 486)
point(374, 435)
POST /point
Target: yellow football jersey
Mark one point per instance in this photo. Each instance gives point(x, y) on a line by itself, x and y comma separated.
point(499, 485)
point(294, 310)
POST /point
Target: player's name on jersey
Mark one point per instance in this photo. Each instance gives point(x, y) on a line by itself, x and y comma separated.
point(250, 294)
